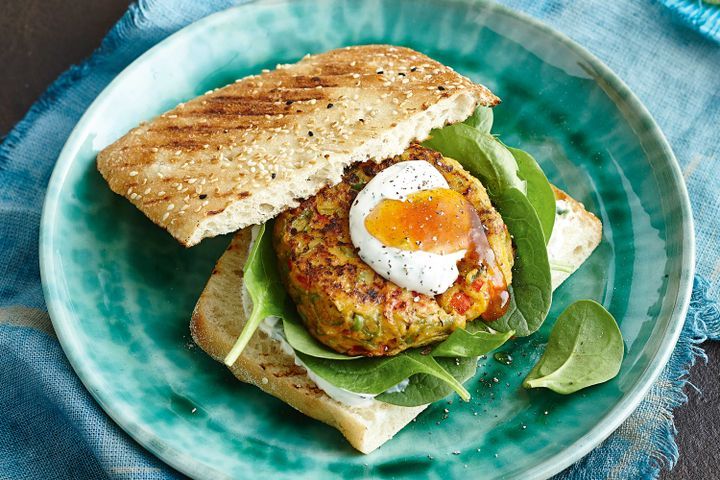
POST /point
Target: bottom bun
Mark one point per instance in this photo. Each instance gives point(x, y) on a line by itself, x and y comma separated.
point(219, 317)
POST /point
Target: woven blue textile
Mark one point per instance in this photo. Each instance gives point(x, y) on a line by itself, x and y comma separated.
point(51, 427)
point(697, 14)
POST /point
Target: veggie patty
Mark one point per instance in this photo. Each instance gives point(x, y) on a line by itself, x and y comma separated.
point(352, 309)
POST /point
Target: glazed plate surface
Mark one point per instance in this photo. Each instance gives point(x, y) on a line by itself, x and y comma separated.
point(120, 291)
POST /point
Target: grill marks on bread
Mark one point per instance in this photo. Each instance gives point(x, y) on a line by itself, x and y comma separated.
point(239, 155)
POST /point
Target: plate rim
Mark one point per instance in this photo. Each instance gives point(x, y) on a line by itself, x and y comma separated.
point(546, 467)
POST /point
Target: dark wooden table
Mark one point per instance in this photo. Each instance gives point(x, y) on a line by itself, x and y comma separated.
point(41, 39)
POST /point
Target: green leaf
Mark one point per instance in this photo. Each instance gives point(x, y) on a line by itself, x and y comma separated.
point(488, 160)
point(481, 119)
point(585, 348)
point(375, 375)
point(300, 339)
point(531, 288)
point(462, 343)
point(539, 192)
point(262, 281)
point(538, 188)
point(481, 154)
point(423, 389)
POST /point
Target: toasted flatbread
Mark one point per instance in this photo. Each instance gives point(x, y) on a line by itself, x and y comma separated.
point(220, 314)
point(239, 155)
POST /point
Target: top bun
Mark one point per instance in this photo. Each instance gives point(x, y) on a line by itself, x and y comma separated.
point(239, 155)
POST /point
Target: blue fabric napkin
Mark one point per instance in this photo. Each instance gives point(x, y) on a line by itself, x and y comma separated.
point(52, 427)
point(698, 14)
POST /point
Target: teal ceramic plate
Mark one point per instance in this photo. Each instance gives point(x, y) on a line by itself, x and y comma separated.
point(120, 291)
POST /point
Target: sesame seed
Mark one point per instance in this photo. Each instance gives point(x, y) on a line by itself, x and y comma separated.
point(133, 173)
point(154, 149)
point(165, 216)
point(356, 75)
point(171, 206)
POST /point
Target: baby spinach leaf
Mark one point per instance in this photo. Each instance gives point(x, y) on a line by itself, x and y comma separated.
point(479, 153)
point(531, 289)
point(585, 348)
point(487, 159)
point(481, 119)
point(300, 339)
point(424, 388)
point(262, 281)
point(462, 343)
point(375, 375)
point(538, 188)
point(539, 192)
